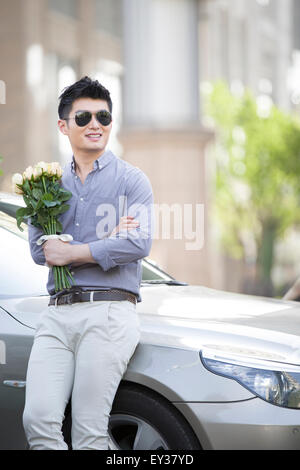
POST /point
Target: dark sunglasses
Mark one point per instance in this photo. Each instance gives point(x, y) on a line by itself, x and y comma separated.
point(82, 118)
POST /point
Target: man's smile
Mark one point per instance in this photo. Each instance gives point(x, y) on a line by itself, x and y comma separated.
point(94, 136)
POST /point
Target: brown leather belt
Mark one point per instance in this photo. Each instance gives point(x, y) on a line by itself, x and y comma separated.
point(78, 295)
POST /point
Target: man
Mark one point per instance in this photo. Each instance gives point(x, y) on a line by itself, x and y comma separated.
point(84, 341)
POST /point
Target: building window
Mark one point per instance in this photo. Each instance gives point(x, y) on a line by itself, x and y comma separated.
point(224, 43)
point(296, 18)
point(108, 16)
point(66, 7)
point(60, 73)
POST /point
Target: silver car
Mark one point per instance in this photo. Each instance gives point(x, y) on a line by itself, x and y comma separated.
point(213, 370)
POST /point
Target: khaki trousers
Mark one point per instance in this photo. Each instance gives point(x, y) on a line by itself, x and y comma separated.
point(80, 350)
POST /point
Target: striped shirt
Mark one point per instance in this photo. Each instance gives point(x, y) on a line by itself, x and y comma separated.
point(114, 188)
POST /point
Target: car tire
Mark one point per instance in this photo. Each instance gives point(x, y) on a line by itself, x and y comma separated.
point(137, 408)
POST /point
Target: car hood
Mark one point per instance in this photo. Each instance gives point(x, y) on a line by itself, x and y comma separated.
point(198, 317)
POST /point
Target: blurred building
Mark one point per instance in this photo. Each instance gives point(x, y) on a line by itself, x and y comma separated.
point(154, 56)
point(250, 44)
point(253, 44)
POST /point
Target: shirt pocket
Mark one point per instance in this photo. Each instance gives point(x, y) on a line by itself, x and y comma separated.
point(105, 216)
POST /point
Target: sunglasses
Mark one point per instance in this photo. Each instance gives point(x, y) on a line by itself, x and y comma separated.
point(82, 118)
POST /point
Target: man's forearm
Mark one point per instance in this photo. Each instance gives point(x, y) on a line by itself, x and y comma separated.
point(80, 254)
point(59, 253)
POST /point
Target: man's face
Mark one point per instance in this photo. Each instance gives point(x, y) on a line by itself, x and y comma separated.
point(94, 136)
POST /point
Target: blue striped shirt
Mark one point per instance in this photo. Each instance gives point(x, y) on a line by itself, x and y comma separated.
point(114, 188)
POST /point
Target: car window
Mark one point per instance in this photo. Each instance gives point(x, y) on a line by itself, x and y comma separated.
point(19, 275)
point(151, 273)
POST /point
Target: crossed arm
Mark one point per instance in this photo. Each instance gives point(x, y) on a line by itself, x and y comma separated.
point(122, 246)
point(59, 253)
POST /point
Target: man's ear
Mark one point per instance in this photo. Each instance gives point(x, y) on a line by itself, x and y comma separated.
point(63, 126)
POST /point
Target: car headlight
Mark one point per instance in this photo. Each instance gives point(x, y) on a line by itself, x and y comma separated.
point(265, 379)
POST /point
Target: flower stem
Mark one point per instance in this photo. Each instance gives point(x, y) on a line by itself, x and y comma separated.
point(44, 184)
point(55, 276)
point(70, 275)
point(59, 279)
point(63, 280)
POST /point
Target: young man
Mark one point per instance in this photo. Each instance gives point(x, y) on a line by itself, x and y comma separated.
point(84, 340)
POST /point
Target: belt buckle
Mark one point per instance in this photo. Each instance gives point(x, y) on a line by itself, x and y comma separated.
point(74, 296)
point(69, 298)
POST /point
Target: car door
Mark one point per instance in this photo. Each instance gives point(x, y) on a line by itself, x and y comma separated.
point(22, 298)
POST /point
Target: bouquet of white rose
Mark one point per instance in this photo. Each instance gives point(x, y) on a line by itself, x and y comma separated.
point(45, 201)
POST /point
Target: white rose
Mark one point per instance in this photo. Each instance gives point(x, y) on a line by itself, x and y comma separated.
point(17, 178)
point(28, 173)
point(43, 166)
point(56, 169)
point(37, 171)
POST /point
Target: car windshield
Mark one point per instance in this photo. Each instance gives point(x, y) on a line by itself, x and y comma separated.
point(16, 260)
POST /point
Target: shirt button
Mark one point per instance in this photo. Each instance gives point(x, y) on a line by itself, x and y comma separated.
point(72, 272)
point(77, 224)
point(81, 198)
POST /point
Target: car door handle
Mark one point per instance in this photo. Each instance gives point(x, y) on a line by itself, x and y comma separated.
point(15, 383)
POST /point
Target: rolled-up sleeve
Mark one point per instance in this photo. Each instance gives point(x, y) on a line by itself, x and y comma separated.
point(36, 251)
point(129, 245)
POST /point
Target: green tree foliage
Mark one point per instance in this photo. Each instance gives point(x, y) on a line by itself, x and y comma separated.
point(257, 173)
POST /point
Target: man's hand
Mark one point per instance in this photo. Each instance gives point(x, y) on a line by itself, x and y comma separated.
point(57, 252)
point(126, 222)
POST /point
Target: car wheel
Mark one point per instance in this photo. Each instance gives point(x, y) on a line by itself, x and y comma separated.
point(140, 419)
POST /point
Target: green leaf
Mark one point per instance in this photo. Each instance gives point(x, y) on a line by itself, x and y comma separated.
point(39, 205)
point(42, 219)
point(48, 200)
point(59, 226)
point(59, 210)
point(37, 193)
point(51, 203)
point(64, 208)
point(26, 186)
point(47, 197)
point(22, 211)
point(19, 221)
point(64, 195)
point(20, 214)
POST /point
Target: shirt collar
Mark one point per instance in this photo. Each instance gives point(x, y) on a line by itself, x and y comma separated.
point(99, 163)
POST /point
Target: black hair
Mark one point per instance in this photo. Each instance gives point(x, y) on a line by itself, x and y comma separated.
point(83, 88)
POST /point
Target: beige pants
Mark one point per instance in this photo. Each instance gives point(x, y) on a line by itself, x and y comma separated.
point(81, 350)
